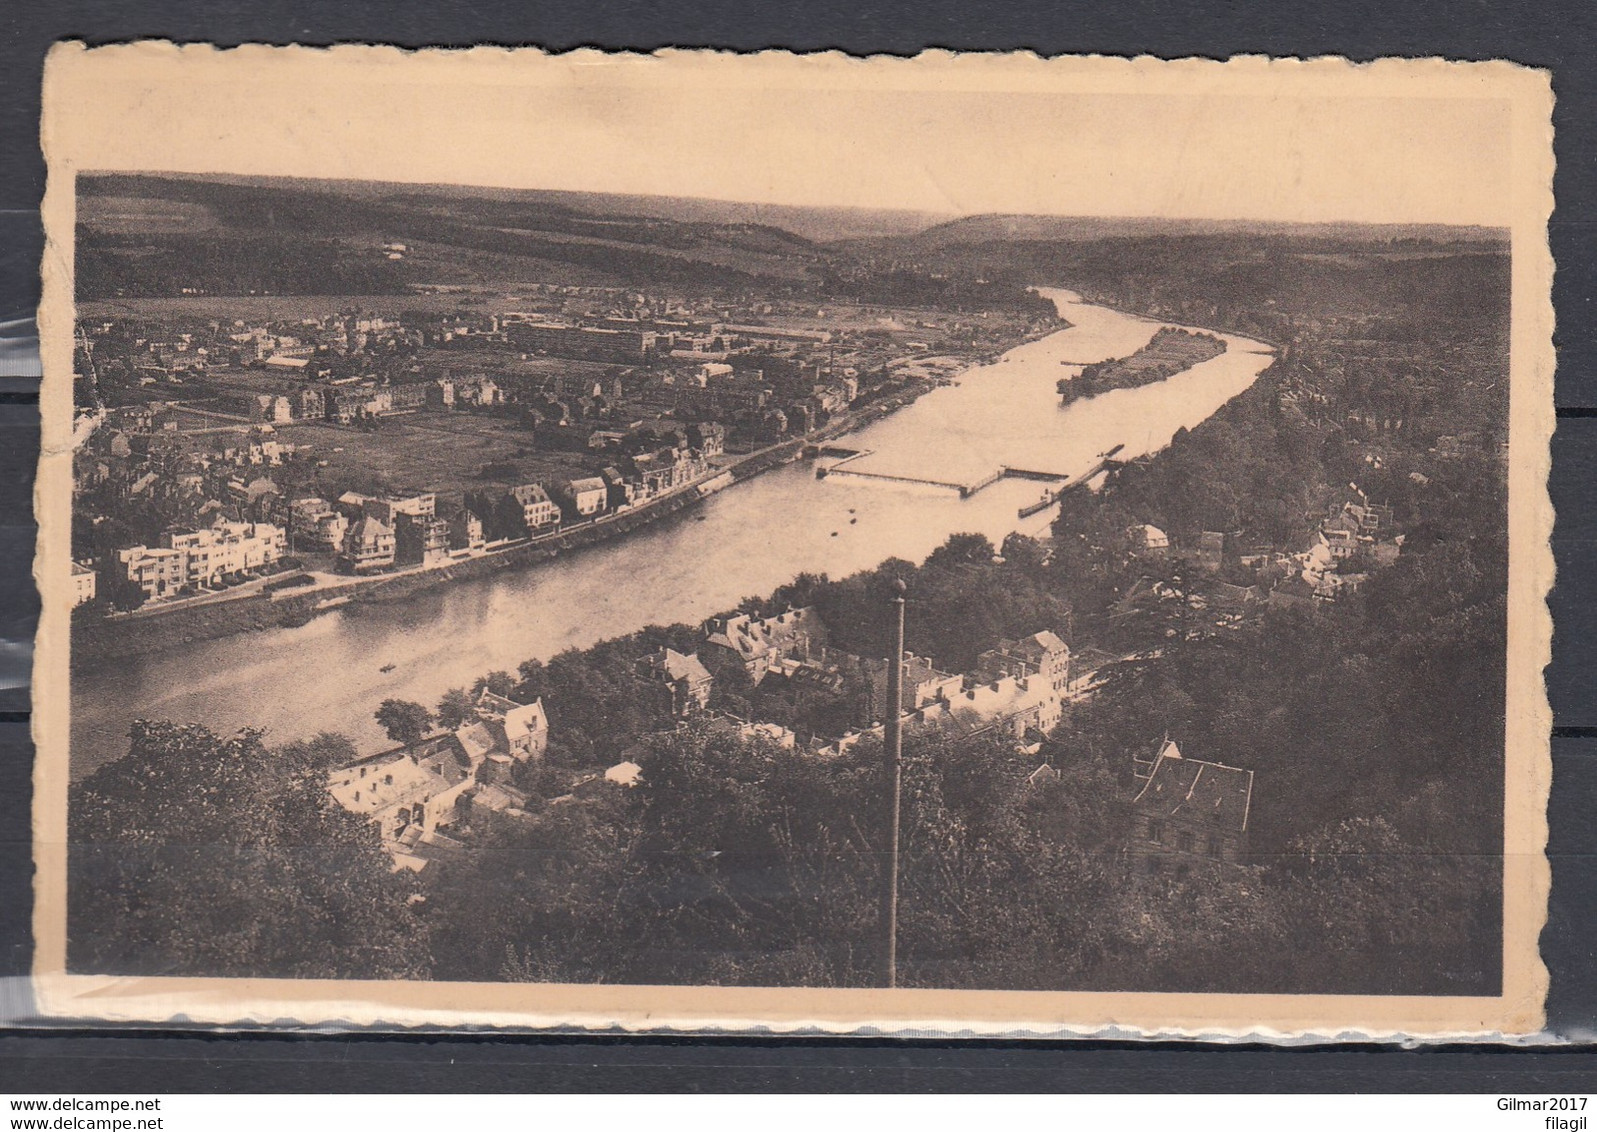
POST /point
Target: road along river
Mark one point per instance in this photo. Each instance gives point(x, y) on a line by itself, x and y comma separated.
point(328, 675)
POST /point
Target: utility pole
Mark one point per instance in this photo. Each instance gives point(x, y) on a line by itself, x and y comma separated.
point(894, 755)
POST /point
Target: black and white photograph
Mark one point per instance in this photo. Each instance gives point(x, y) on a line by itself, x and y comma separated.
point(703, 540)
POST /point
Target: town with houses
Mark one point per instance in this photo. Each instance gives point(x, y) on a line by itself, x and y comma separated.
point(211, 454)
point(220, 439)
point(801, 697)
point(427, 795)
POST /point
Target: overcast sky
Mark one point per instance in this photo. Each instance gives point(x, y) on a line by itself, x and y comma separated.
point(1133, 143)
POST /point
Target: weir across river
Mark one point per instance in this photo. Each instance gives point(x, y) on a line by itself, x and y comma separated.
point(1065, 480)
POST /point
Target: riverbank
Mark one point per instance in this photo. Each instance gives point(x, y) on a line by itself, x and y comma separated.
point(1179, 320)
point(154, 630)
point(96, 642)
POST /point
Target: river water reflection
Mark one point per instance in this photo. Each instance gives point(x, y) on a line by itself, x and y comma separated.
point(327, 675)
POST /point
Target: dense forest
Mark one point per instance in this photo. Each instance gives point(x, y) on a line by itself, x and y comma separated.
point(1373, 725)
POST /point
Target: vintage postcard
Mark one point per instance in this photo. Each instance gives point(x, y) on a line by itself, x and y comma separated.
point(964, 544)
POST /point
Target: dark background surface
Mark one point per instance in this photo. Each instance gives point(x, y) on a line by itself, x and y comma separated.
point(1559, 36)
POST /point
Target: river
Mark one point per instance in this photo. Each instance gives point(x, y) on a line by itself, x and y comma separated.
point(327, 675)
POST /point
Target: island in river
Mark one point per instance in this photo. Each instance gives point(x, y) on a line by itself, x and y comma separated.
point(1168, 352)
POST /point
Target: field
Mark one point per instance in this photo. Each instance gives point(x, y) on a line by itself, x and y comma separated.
point(440, 452)
point(206, 416)
point(135, 214)
point(505, 363)
point(256, 309)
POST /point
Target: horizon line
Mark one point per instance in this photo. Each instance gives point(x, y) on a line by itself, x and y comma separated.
point(947, 217)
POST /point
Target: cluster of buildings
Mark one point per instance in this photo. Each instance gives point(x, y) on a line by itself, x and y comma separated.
point(644, 392)
point(611, 340)
point(1019, 687)
point(348, 368)
point(338, 335)
point(643, 336)
point(369, 400)
point(225, 516)
point(144, 486)
point(1354, 538)
point(367, 534)
point(190, 561)
point(141, 455)
point(354, 400)
point(625, 357)
point(371, 534)
point(340, 368)
point(416, 793)
point(166, 353)
point(762, 402)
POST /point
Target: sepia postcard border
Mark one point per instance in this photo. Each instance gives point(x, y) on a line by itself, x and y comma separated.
point(71, 73)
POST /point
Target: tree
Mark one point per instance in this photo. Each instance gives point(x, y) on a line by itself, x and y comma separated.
point(91, 610)
point(405, 721)
point(200, 855)
point(1023, 552)
point(455, 708)
point(499, 683)
point(1414, 919)
point(963, 548)
point(125, 595)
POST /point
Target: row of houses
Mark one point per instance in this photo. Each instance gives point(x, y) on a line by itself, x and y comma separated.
point(593, 343)
point(528, 510)
point(191, 559)
point(370, 401)
point(630, 340)
point(371, 534)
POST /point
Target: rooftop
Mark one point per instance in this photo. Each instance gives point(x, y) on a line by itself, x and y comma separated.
point(1190, 789)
